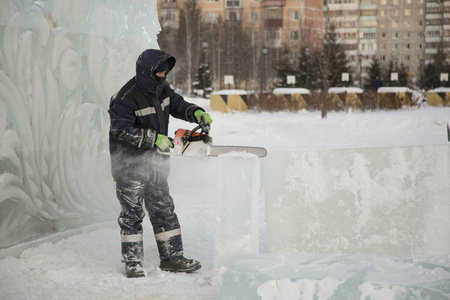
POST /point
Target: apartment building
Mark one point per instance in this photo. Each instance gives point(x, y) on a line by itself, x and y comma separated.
point(407, 32)
point(275, 22)
point(389, 30)
point(437, 28)
point(270, 24)
point(402, 34)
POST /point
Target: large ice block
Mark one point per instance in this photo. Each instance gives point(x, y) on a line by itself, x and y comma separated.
point(321, 277)
point(392, 201)
point(60, 62)
point(237, 196)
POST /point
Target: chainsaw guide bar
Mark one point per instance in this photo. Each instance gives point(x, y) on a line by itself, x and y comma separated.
point(199, 144)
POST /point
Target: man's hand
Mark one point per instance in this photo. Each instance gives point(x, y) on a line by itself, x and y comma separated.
point(163, 142)
point(202, 116)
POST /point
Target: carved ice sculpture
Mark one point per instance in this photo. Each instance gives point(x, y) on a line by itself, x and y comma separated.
point(60, 62)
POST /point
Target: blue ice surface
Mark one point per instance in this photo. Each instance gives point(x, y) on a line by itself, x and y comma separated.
point(314, 276)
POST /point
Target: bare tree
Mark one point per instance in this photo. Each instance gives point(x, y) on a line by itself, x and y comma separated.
point(191, 16)
point(167, 40)
point(212, 36)
point(184, 43)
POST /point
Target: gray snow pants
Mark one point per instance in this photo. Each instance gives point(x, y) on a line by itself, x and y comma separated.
point(154, 194)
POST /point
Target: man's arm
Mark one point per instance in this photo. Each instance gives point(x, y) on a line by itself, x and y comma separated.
point(181, 109)
point(122, 126)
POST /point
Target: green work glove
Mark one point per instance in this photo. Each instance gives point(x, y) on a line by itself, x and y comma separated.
point(201, 115)
point(163, 142)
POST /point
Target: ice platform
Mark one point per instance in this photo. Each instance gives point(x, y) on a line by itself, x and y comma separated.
point(306, 276)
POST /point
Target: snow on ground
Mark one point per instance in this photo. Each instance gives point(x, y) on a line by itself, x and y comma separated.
point(87, 265)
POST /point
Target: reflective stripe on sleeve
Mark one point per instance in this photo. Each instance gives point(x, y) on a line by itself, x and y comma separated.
point(165, 102)
point(145, 111)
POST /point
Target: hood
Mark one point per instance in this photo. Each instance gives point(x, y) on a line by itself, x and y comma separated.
point(146, 64)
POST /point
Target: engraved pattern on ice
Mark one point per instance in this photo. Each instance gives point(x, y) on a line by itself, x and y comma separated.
point(61, 61)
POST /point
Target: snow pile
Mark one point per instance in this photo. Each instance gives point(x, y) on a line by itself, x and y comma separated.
point(394, 89)
point(229, 92)
point(440, 90)
point(339, 90)
point(291, 91)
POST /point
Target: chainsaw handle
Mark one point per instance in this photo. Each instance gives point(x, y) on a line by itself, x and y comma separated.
point(204, 129)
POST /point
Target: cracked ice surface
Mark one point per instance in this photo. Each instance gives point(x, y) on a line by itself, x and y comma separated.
point(60, 62)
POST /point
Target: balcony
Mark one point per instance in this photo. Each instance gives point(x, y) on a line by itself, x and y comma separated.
point(273, 3)
point(274, 23)
point(368, 7)
point(433, 39)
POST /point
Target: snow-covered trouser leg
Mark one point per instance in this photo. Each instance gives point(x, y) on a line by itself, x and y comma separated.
point(164, 220)
point(130, 193)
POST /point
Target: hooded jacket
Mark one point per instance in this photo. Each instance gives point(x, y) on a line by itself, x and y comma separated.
point(139, 112)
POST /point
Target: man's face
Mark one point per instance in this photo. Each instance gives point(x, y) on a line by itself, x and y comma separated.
point(161, 74)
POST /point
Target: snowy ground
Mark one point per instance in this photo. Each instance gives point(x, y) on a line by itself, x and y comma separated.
point(87, 265)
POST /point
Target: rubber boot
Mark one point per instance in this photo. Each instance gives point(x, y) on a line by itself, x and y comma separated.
point(180, 264)
point(134, 269)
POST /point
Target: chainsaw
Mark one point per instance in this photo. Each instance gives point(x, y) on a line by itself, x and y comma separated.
point(197, 142)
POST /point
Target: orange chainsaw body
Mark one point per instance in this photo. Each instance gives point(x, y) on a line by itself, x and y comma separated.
point(199, 144)
point(183, 136)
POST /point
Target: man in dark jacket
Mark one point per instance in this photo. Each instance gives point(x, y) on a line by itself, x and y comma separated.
point(376, 83)
point(139, 123)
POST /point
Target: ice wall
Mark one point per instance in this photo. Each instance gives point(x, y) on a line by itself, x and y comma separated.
point(237, 198)
point(60, 62)
point(349, 224)
point(387, 201)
